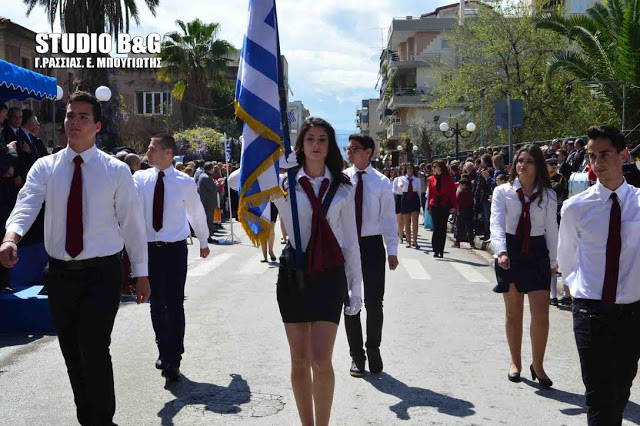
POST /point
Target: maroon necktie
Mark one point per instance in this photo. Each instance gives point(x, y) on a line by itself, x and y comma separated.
point(158, 202)
point(614, 245)
point(359, 198)
point(323, 250)
point(73, 244)
point(410, 189)
point(523, 231)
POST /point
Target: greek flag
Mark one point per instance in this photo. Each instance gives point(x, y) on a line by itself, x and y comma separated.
point(292, 116)
point(257, 103)
point(227, 150)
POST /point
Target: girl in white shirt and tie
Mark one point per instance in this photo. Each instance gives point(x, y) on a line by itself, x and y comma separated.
point(524, 235)
point(410, 204)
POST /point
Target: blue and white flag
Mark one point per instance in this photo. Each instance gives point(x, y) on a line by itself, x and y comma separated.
point(292, 116)
point(227, 150)
point(257, 103)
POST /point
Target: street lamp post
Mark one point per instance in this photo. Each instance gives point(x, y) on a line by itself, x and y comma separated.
point(457, 132)
point(483, 91)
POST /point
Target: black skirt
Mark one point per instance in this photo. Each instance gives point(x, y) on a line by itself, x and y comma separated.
point(398, 199)
point(412, 205)
point(528, 273)
point(274, 213)
point(321, 299)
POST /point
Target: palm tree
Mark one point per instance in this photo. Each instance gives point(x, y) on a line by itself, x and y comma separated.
point(609, 40)
point(194, 59)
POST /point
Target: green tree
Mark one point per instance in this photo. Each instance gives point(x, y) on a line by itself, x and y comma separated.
point(609, 40)
point(502, 52)
point(194, 60)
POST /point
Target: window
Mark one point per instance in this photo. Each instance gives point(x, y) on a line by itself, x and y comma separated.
point(153, 103)
point(445, 44)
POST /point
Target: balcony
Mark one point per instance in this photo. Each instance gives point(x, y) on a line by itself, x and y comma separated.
point(415, 61)
point(395, 130)
point(405, 97)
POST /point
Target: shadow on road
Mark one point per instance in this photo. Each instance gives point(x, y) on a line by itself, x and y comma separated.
point(7, 340)
point(205, 397)
point(418, 397)
point(631, 412)
point(466, 262)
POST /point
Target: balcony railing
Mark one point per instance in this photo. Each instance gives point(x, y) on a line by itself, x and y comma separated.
point(408, 96)
point(395, 130)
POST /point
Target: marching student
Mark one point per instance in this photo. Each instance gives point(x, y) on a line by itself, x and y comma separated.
point(311, 309)
point(598, 256)
point(524, 236)
point(410, 204)
point(441, 201)
point(170, 203)
point(91, 212)
point(375, 220)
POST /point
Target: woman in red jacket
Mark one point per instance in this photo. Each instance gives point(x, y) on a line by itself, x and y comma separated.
point(441, 202)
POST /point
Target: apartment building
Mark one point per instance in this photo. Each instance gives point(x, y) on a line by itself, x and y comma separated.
point(296, 110)
point(367, 122)
point(407, 76)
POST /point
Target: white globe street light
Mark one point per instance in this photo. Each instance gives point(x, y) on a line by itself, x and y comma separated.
point(444, 126)
point(59, 93)
point(103, 93)
point(415, 148)
point(471, 127)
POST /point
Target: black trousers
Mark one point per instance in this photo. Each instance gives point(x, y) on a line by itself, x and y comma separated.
point(464, 226)
point(440, 215)
point(167, 278)
point(373, 257)
point(609, 351)
point(83, 306)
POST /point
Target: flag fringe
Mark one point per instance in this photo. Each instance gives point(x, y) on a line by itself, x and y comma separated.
point(255, 125)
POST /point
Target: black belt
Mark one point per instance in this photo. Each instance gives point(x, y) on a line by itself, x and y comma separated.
point(77, 265)
point(597, 305)
point(163, 243)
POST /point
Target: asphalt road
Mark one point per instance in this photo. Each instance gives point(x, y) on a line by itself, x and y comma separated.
point(444, 351)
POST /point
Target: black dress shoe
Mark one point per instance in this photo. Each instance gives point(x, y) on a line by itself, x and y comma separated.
point(565, 300)
point(435, 254)
point(375, 360)
point(441, 255)
point(553, 301)
point(357, 369)
point(514, 377)
point(159, 364)
point(544, 383)
point(171, 373)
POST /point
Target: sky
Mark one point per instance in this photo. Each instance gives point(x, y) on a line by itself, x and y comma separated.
point(332, 46)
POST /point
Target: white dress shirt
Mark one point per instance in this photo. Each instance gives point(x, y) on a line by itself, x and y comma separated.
point(378, 206)
point(341, 217)
point(182, 206)
point(505, 215)
point(397, 190)
point(111, 212)
point(415, 184)
point(582, 246)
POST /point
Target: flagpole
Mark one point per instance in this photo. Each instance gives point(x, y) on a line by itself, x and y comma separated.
point(291, 176)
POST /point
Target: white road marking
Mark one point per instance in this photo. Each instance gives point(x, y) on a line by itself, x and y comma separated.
point(415, 269)
point(208, 266)
point(469, 273)
point(253, 266)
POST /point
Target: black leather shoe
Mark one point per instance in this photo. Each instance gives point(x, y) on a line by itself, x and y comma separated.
point(553, 301)
point(171, 373)
point(375, 360)
point(565, 300)
point(357, 369)
point(544, 383)
point(159, 364)
point(514, 377)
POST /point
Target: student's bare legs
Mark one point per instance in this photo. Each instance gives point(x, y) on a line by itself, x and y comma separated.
point(323, 336)
point(514, 308)
point(539, 330)
point(299, 337)
point(414, 224)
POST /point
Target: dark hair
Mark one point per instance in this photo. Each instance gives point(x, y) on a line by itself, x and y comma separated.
point(89, 98)
point(167, 141)
point(413, 166)
point(465, 182)
point(498, 161)
point(208, 166)
point(608, 132)
point(486, 158)
point(443, 167)
point(364, 140)
point(27, 115)
point(579, 141)
point(542, 181)
point(564, 153)
point(334, 160)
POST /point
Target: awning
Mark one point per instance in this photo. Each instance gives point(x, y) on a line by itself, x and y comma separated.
point(19, 84)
